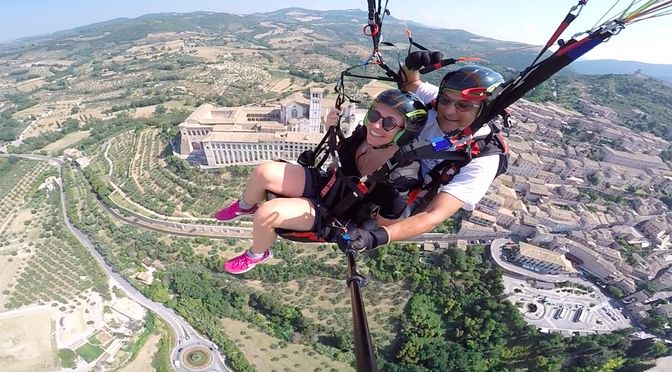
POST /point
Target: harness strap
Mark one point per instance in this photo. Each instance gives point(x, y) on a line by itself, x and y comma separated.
point(444, 172)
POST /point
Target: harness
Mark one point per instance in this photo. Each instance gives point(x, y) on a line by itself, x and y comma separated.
point(342, 193)
point(494, 143)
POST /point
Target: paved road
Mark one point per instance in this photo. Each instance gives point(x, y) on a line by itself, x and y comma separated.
point(186, 335)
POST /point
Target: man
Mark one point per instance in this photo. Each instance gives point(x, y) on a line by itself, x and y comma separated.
point(453, 112)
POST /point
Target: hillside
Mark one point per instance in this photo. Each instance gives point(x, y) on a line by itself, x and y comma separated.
point(235, 60)
point(644, 104)
point(610, 66)
point(265, 29)
point(125, 64)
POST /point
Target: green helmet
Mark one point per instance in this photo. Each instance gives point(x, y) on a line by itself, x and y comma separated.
point(410, 107)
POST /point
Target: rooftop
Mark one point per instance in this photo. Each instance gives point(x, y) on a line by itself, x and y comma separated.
point(636, 157)
point(545, 255)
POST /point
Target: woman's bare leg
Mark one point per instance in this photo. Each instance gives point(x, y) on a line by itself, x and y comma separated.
point(287, 213)
point(281, 178)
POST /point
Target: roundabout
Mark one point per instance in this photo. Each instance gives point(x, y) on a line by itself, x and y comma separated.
point(196, 358)
point(534, 310)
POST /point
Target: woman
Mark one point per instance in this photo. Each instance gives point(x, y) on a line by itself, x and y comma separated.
point(394, 119)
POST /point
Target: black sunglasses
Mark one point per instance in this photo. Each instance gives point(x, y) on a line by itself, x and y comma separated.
point(388, 122)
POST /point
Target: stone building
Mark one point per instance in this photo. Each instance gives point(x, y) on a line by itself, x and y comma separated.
point(541, 260)
point(632, 160)
point(218, 136)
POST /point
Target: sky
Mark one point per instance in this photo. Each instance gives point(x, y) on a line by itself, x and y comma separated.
point(515, 20)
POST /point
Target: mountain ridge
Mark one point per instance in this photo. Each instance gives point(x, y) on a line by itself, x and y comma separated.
point(338, 25)
point(613, 66)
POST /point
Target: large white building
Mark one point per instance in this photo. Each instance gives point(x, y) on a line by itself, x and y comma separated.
point(541, 260)
point(231, 148)
point(219, 136)
point(632, 160)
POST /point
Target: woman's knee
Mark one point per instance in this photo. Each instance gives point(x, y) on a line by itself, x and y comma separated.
point(282, 178)
point(289, 213)
point(267, 214)
point(263, 172)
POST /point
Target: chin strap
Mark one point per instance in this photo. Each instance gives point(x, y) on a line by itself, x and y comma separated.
point(382, 146)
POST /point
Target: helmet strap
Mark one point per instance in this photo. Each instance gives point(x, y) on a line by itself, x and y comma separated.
point(382, 146)
point(398, 136)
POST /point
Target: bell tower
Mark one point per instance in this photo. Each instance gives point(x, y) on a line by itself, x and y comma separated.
point(315, 113)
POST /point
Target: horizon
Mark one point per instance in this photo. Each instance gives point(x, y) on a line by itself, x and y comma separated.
point(637, 43)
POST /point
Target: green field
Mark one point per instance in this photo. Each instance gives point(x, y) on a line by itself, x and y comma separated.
point(68, 358)
point(89, 352)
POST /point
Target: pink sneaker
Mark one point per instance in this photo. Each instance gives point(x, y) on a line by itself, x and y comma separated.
point(233, 212)
point(245, 263)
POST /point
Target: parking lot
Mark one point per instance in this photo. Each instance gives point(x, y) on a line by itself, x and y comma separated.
point(568, 310)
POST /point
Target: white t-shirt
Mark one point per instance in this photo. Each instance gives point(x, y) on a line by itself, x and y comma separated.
point(474, 179)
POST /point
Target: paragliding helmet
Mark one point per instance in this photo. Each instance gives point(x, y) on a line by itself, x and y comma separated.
point(474, 82)
point(411, 109)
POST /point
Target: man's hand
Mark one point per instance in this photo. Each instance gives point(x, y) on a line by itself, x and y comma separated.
point(410, 75)
point(332, 117)
point(361, 239)
point(422, 58)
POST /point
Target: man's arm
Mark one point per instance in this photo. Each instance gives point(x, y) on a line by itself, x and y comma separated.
point(441, 208)
point(411, 79)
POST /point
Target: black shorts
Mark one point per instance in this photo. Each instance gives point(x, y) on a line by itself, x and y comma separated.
point(315, 181)
point(324, 227)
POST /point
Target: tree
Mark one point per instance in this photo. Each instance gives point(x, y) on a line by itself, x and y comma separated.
point(615, 291)
point(655, 322)
point(648, 285)
point(658, 349)
point(160, 110)
point(593, 179)
point(667, 154)
point(667, 200)
point(158, 292)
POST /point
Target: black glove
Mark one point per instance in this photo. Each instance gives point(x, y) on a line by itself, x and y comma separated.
point(361, 239)
point(422, 58)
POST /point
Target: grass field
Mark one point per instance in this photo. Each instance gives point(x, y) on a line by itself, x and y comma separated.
point(60, 267)
point(66, 141)
point(281, 85)
point(29, 85)
point(143, 361)
point(48, 116)
point(141, 171)
point(18, 232)
point(68, 358)
point(265, 354)
point(375, 87)
point(89, 352)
